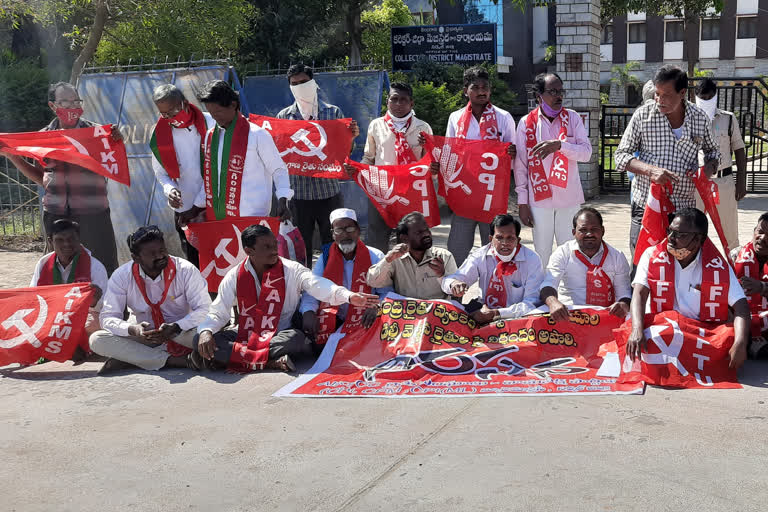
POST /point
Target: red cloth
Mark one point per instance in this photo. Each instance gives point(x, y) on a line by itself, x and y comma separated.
point(558, 174)
point(710, 196)
point(489, 126)
point(82, 271)
point(655, 219)
point(496, 293)
point(235, 168)
point(161, 141)
point(403, 150)
point(746, 264)
point(599, 286)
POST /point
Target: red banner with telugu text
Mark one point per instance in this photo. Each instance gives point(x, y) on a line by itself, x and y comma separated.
point(220, 247)
point(92, 148)
point(429, 348)
point(474, 175)
point(46, 321)
point(310, 148)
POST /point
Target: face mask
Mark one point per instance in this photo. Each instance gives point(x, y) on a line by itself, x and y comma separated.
point(680, 254)
point(306, 97)
point(505, 258)
point(182, 119)
point(69, 115)
point(549, 111)
point(709, 106)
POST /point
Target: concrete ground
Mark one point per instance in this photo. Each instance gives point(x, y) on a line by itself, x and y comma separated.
point(178, 440)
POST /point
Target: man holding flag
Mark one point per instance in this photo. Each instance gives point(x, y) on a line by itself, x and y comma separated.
point(751, 267)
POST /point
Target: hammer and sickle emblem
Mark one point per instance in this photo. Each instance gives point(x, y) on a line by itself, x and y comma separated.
point(716, 263)
point(663, 257)
point(28, 332)
point(222, 252)
point(302, 135)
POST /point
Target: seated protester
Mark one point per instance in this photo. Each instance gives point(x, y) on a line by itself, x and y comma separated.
point(509, 274)
point(266, 290)
point(413, 267)
point(587, 271)
point(169, 298)
point(686, 273)
point(751, 267)
point(341, 261)
point(70, 262)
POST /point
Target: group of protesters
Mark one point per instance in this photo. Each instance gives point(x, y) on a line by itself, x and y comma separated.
point(218, 164)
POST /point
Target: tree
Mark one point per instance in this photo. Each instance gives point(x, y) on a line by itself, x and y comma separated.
point(623, 77)
point(377, 26)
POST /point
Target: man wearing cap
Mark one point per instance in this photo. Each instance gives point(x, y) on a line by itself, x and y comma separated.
point(345, 261)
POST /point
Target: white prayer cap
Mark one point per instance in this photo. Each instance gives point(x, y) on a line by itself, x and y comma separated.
point(343, 213)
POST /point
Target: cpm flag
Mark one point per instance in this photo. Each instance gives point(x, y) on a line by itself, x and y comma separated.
point(397, 190)
point(310, 148)
point(680, 353)
point(474, 175)
point(47, 321)
point(655, 219)
point(710, 196)
point(91, 148)
point(220, 247)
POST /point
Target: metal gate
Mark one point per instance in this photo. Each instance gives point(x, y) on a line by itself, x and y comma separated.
point(747, 98)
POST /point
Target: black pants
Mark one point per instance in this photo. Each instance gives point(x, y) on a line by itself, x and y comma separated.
point(310, 212)
point(192, 255)
point(96, 235)
point(636, 225)
point(290, 342)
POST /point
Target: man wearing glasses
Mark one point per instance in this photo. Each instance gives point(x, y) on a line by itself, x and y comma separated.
point(72, 192)
point(686, 273)
point(551, 141)
point(345, 261)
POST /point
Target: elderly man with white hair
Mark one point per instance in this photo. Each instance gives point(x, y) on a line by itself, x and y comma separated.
point(345, 261)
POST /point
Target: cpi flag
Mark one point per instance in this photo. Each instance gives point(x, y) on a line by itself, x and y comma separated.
point(220, 246)
point(431, 348)
point(92, 148)
point(47, 321)
point(396, 190)
point(474, 175)
point(655, 219)
point(681, 353)
point(310, 148)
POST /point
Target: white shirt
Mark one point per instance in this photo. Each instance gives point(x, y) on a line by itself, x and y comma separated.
point(568, 275)
point(186, 142)
point(186, 304)
point(687, 296)
point(263, 166)
point(98, 274)
point(309, 303)
point(504, 121)
point(522, 286)
point(298, 279)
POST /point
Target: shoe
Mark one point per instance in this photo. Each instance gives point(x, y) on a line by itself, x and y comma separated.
point(112, 365)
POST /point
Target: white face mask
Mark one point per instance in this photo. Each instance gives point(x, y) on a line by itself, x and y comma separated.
point(506, 258)
point(708, 106)
point(306, 97)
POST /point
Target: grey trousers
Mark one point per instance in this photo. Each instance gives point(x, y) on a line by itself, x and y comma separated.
point(96, 234)
point(129, 350)
point(378, 231)
point(461, 239)
point(290, 342)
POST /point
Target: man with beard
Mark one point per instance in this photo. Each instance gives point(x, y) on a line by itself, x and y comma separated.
point(686, 273)
point(587, 271)
point(413, 267)
point(266, 289)
point(751, 267)
point(168, 297)
point(345, 260)
point(509, 274)
point(551, 141)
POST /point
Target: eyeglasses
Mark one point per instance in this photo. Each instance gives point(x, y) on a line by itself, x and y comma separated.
point(171, 114)
point(680, 235)
point(341, 231)
point(70, 104)
point(556, 92)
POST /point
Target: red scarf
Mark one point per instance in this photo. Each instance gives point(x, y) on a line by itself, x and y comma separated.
point(747, 265)
point(222, 188)
point(403, 150)
point(161, 142)
point(259, 317)
point(169, 274)
point(489, 126)
point(715, 281)
point(49, 273)
point(496, 293)
point(558, 173)
point(599, 286)
point(334, 270)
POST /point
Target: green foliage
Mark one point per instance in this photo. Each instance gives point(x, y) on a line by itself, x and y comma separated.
point(434, 104)
point(702, 73)
point(605, 98)
point(377, 24)
point(23, 95)
point(678, 8)
point(622, 75)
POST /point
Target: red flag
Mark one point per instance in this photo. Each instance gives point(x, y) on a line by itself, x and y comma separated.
point(396, 190)
point(655, 219)
point(310, 148)
point(474, 175)
point(220, 247)
point(47, 321)
point(681, 353)
point(710, 195)
point(92, 148)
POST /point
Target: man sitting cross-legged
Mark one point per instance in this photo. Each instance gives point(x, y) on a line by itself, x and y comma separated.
point(509, 274)
point(266, 290)
point(751, 267)
point(345, 262)
point(169, 298)
point(686, 273)
point(587, 271)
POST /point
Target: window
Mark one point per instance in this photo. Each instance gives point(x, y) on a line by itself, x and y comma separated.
point(710, 29)
point(674, 31)
point(607, 35)
point(747, 27)
point(636, 32)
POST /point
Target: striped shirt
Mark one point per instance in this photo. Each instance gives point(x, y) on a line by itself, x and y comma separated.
point(305, 187)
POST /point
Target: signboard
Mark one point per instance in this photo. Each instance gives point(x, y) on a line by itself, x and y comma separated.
point(448, 44)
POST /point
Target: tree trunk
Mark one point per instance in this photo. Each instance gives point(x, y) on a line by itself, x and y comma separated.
point(354, 28)
point(97, 29)
point(691, 46)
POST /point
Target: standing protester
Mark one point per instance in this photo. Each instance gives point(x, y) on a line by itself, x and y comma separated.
point(177, 156)
point(72, 192)
point(314, 198)
point(666, 136)
point(479, 120)
point(725, 130)
point(551, 141)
